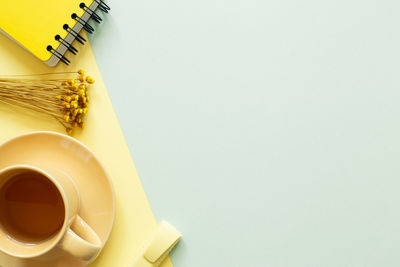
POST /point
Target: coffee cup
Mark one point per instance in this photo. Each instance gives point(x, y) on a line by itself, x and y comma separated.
point(39, 210)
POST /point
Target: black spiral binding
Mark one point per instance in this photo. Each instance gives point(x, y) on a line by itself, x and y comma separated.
point(69, 46)
point(58, 55)
point(76, 35)
point(85, 25)
point(103, 6)
point(91, 12)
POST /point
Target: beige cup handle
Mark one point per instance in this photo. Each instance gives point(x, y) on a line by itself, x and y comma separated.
point(80, 240)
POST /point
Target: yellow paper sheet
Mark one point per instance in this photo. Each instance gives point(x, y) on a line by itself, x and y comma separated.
point(134, 220)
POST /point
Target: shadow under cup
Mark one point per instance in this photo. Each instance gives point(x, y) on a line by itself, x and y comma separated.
point(32, 212)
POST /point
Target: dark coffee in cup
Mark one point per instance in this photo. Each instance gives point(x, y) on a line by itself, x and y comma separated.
point(31, 207)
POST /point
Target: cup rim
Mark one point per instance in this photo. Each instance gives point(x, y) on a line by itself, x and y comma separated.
point(57, 238)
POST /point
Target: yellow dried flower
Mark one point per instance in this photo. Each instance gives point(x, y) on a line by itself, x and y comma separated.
point(60, 95)
point(89, 80)
point(66, 118)
point(73, 87)
point(74, 104)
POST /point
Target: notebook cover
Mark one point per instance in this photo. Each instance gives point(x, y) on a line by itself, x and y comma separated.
point(34, 24)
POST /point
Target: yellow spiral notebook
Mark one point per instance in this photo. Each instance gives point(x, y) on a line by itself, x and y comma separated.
point(47, 28)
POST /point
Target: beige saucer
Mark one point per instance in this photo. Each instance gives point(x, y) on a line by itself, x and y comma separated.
point(67, 155)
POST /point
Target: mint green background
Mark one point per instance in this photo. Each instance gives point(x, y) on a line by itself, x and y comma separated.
point(266, 131)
